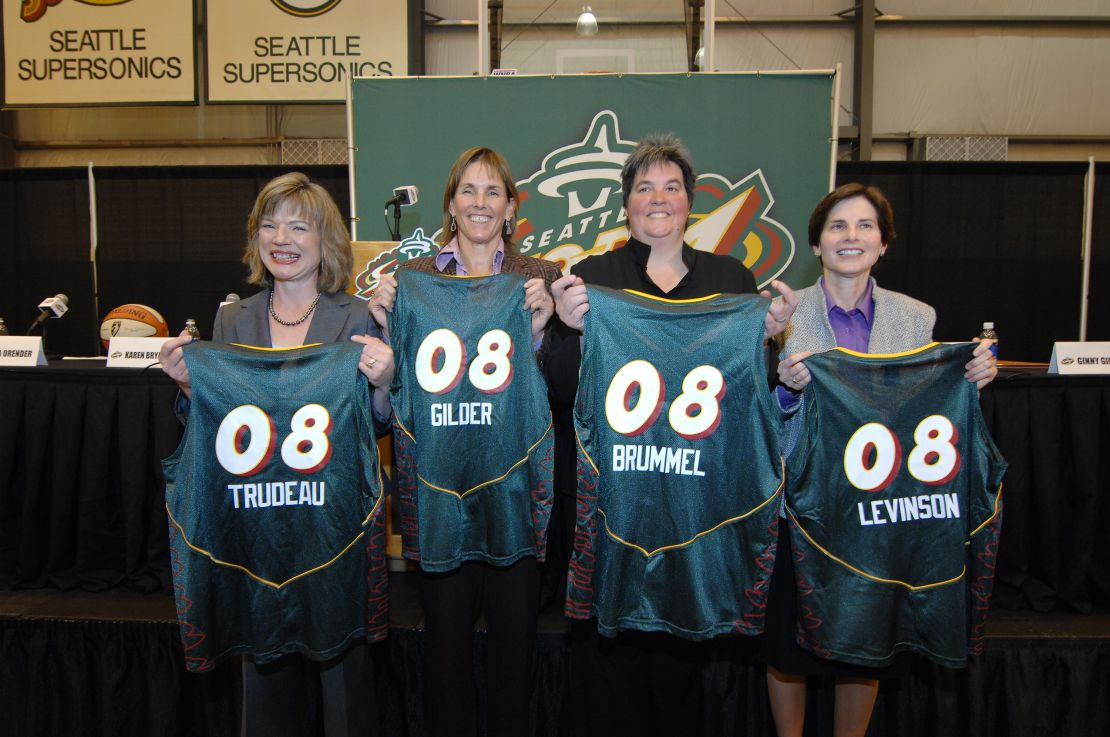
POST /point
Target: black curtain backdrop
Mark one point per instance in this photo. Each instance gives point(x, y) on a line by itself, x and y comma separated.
point(988, 241)
point(44, 250)
point(1098, 306)
point(169, 237)
point(978, 241)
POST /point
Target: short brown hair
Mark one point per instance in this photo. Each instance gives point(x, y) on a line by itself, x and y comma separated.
point(496, 163)
point(313, 203)
point(874, 195)
point(658, 148)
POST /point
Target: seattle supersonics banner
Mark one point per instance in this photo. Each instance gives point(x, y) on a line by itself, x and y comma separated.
point(760, 144)
point(301, 50)
point(99, 52)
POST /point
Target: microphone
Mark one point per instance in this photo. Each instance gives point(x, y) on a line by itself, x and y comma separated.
point(404, 196)
point(55, 306)
point(232, 297)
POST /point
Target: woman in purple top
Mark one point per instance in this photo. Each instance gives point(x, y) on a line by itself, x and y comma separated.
point(849, 230)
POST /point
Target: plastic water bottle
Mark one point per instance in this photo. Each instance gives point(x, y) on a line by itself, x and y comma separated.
point(192, 329)
point(4, 327)
point(989, 334)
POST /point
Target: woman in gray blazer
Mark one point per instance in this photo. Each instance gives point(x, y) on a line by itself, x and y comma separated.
point(299, 251)
point(849, 231)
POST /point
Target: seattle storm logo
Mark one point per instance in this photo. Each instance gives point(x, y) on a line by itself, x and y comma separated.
point(572, 208)
point(415, 246)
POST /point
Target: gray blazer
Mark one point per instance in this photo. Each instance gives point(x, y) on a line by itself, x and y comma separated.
point(900, 323)
point(338, 316)
point(247, 322)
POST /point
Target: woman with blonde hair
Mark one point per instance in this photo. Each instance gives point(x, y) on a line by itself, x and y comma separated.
point(299, 251)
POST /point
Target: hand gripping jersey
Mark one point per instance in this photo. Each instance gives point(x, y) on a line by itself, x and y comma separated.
point(895, 507)
point(679, 470)
point(472, 427)
point(274, 501)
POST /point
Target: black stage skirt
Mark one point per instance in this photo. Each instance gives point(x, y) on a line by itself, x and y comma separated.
point(780, 648)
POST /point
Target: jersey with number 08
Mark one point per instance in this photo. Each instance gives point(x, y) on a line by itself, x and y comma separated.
point(472, 427)
point(274, 498)
point(895, 507)
point(679, 468)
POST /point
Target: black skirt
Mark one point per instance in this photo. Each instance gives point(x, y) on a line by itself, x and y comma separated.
point(780, 647)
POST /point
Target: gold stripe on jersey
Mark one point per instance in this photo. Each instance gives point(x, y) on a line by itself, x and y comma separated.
point(665, 300)
point(674, 546)
point(988, 520)
point(868, 576)
point(857, 354)
point(252, 574)
point(461, 494)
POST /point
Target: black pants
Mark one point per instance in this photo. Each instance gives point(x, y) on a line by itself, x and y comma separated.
point(637, 684)
point(277, 696)
point(509, 599)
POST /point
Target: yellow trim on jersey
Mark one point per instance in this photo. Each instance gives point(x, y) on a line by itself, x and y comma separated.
point(585, 452)
point(252, 574)
point(652, 297)
point(275, 350)
point(472, 489)
point(868, 576)
point(988, 520)
point(468, 276)
point(922, 349)
point(714, 528)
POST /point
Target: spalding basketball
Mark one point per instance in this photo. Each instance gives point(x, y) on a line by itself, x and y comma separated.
point(133, 321)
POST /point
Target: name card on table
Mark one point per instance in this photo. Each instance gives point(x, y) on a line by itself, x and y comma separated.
point(1080, 358)
point(134, 352)
point(21, 350)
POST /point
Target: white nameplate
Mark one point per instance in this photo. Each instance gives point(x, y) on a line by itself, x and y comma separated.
point(1080, 358)
point(21, 350)
point(134, 352)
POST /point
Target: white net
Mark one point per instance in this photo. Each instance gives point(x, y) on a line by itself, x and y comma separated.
point(298, 151)
point(966, 148)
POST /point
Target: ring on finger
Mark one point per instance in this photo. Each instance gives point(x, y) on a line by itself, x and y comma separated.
point(371, 362)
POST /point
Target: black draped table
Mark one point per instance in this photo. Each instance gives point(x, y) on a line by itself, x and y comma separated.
point(1055, 433)
point(81, 490)
point(82, 505)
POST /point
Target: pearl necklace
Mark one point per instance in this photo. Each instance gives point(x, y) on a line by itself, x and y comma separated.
point(291, 323)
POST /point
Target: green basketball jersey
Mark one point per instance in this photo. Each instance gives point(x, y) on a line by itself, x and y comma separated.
point(472, 440)
point(274, 503)
point(895, 507)
point(679, 469)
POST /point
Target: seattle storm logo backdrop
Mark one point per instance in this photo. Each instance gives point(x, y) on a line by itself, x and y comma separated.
point(571, 208)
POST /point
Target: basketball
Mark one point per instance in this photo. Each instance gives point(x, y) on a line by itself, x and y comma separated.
point(133, 321)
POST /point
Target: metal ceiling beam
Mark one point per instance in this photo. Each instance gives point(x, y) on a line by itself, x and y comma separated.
point(692, 10)
point(863, 76)
point(1048, 21)
point(495, 14)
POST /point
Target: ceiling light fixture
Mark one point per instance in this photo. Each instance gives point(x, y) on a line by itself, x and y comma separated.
point(587, 22)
